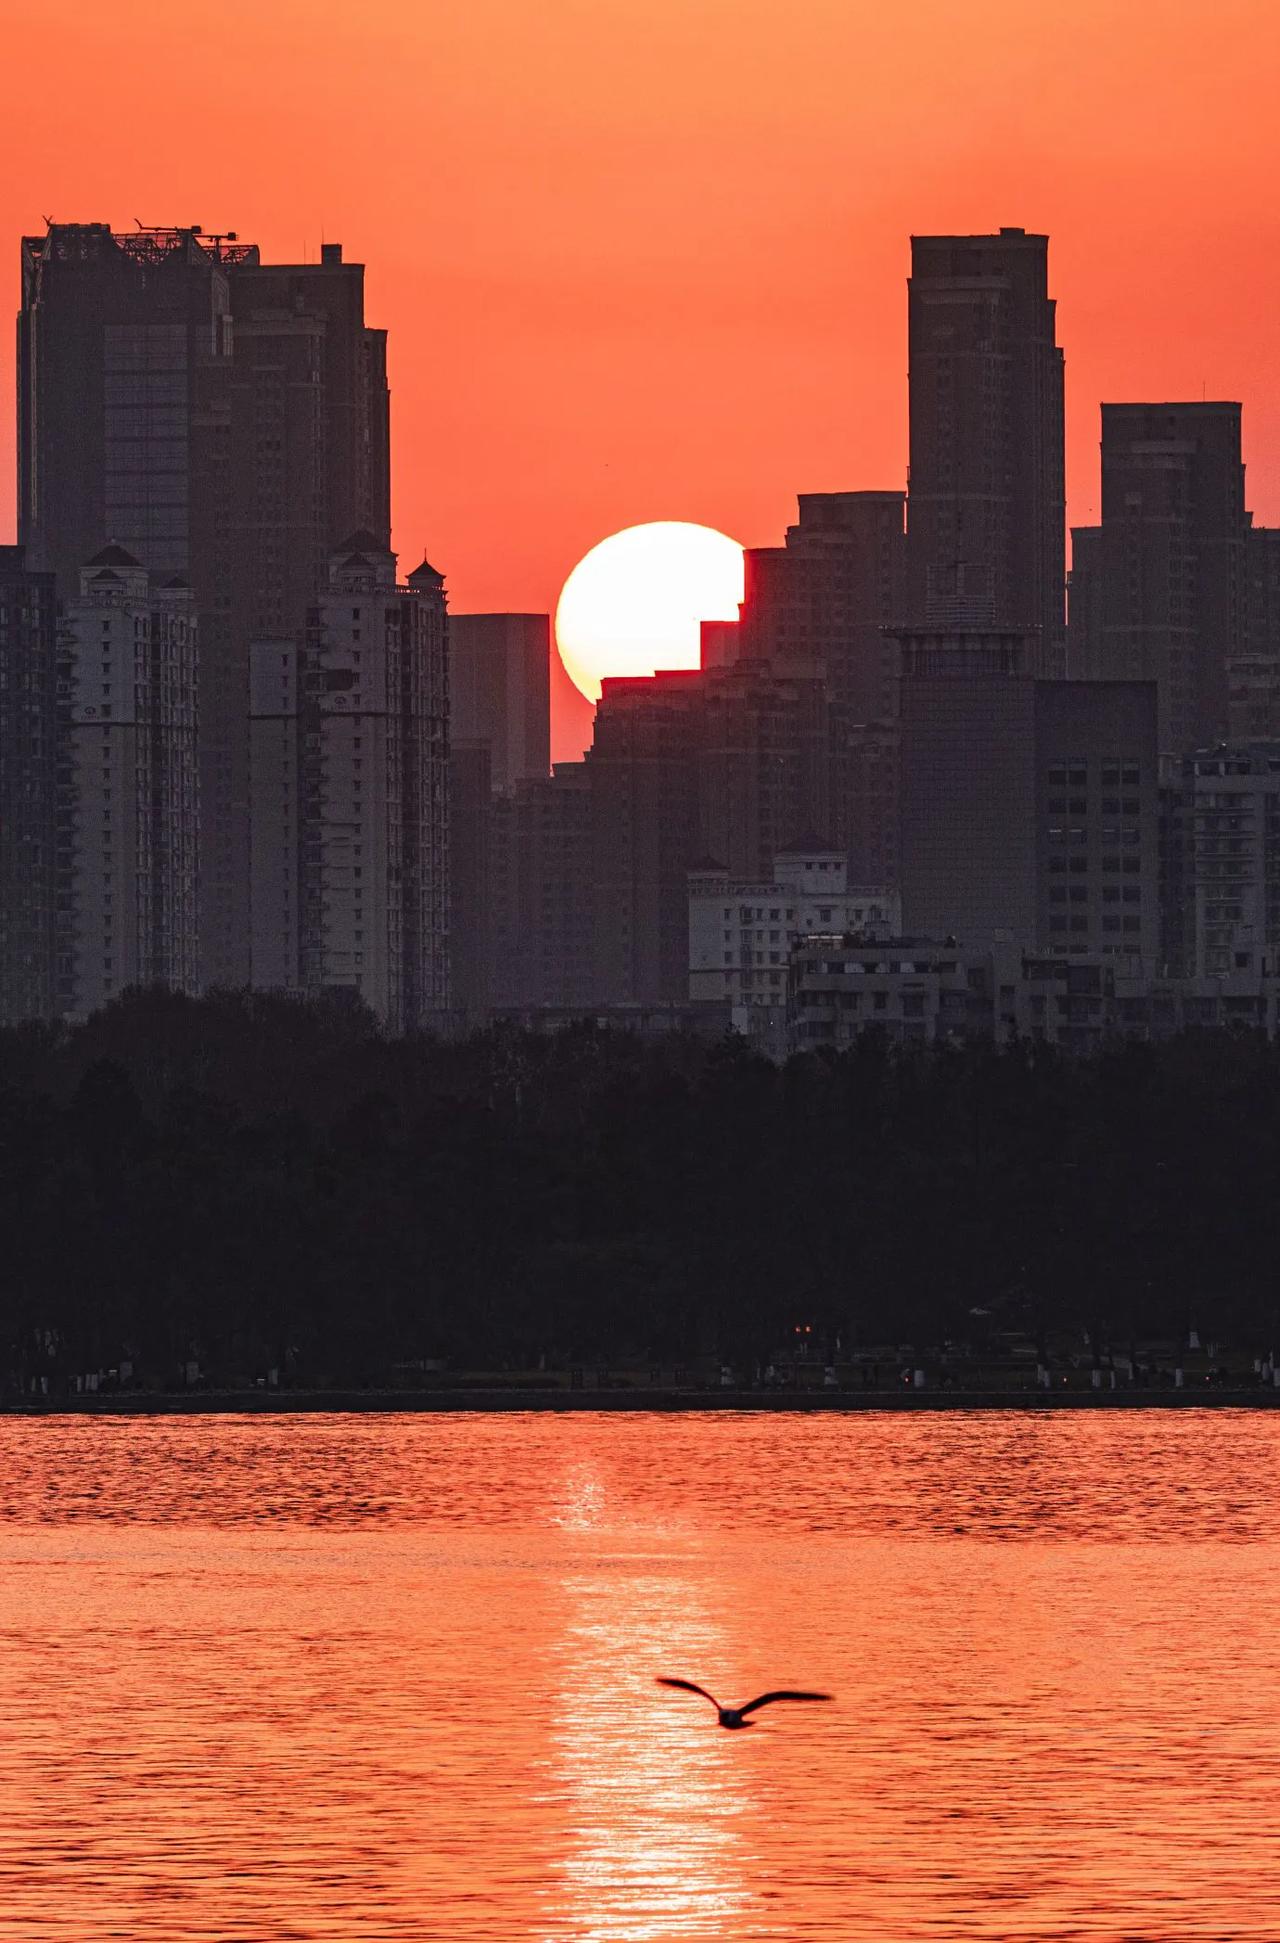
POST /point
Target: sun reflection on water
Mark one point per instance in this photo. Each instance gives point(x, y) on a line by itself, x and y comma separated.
point(653, 1807)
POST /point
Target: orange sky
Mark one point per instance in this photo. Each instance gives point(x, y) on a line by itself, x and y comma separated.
point(645, 259)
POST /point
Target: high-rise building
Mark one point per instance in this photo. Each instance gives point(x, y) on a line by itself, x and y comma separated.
point(1029, 808)
point(28, 741)
point(827, 595)
point(500, 691)
point(542, 936)
point(865, 807)
point(1085, 657)
point(642, 777)
point(124, 351)
point(763, 768)
point(218, 418)
point(308, 462)
point(127, 815)
point(986, 506)
point(470, 870)
point(1253, 676)
point(349, 793)
point(1167, 569)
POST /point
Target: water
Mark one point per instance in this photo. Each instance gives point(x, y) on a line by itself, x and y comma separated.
point(351, 1678)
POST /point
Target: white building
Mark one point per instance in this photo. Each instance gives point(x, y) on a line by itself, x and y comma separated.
point(740, 935)
point(127, 814)
point(349, 812)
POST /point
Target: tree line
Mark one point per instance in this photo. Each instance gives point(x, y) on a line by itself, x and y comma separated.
point(248, 1182)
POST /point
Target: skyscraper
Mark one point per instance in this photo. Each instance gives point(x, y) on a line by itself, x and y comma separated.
point(127, 813)
point(1253, 705)
point(349, 793)
point(986, 504)
point(1170, 605)
point(28, 753)
point(1029, 808)
point(308, 463)
point(827, 595)
point(500, 691)
point(642, 775)
point(763, 769)
point(217, 418)
point(124, 350)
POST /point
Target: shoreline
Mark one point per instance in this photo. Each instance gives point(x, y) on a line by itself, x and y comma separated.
point(662, 1402)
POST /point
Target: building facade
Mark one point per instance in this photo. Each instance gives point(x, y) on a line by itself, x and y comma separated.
point(825, 598)
point(642, 776)
point(28, 783)
point(500, 690)
point(741, 933)
point(1253, 676)
point(1221, 838)
point(1030, 809)
point(986, 506)
point(217, 418)
point(542, 934)
point(921, 993)
point(127, 800)
point(349, 794)
point(1164, 580)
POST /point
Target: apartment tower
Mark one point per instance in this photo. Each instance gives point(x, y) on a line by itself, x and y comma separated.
point(986, 503)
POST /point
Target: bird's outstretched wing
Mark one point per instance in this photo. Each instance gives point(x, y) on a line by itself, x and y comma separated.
point(687, 1686)
point(781, 1693)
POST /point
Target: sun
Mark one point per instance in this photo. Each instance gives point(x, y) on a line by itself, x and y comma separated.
point(636, 602)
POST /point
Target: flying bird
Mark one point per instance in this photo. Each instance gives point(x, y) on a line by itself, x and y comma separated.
point(737, 1716)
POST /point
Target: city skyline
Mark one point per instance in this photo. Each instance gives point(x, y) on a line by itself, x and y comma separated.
point(578, 350)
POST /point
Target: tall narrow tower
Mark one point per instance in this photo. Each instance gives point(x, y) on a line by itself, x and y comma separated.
point(986, 502)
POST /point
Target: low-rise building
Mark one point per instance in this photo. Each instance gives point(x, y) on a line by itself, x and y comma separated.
point(919, 991)
point(741, 934)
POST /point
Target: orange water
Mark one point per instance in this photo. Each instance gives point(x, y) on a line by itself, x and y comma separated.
point(350, 1678)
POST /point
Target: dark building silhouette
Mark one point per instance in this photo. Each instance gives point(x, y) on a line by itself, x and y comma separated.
point(124, 353)
point(865, 796)
point(28, 780)
point(1253, 676)
point(470, 880)
point(720, 643)
point(986, 505)
point(217, 418)
point(1159, 589)
point(1029, 808)
point(642, 777)
point(825, 597)
point(500, 690)
point(764, 761)
point(307, 426)
point(542, 936)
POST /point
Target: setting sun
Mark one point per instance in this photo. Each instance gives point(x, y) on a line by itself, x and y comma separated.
point(636, 602)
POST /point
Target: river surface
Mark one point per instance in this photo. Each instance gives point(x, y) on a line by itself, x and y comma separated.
point(347, 1678)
